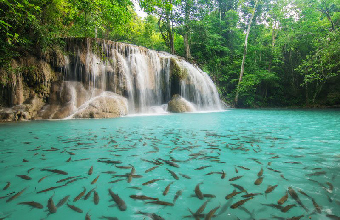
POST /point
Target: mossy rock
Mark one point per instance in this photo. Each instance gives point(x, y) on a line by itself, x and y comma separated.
point(176, 71)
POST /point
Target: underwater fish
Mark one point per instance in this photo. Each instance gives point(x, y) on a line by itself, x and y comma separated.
point(198, 192)
point(210, 214)
point(7, 185)
point(231, 195)
point(209, 196)
point(203, 167)
point(238, 187)
point(16, 195)
point(316, 205)
point(260, 173)
point(121, 204)
point(50, 205)
point(239, 203)
point(317, 173)
point(88, 216)
point(153, 216)
point(69, 159)
point(251, 195)
point(50, 188)
point(174, 175)
point(95, 180)
point(294, 195)
point(283, 199)
point(283, 177)
point(25, 177)
point(185, 176)
point(32, 204)
point(171, 163)
point(152, 168)
point(245, 168)
point(95, 198)
point(108, 218)
point(90, 171)
point(287, 208)
point(62, 201)
point(28, 171)
point(151, 181)
point(235, 178)
point(142, 197)
point(223, 174)
point(68, 178)
point(80, 195)
point(158, 202)
point(88, 194)
point(177, 195)
point(74, 208)
point(55, 171)
point(258, 181)
point(270, 189)
point(295, 217)
point(167, 188)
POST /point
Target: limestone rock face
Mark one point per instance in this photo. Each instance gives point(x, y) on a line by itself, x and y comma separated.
point(109, 105)
point(178, 105)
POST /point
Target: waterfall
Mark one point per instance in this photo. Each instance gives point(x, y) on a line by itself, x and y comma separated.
point(146, 78)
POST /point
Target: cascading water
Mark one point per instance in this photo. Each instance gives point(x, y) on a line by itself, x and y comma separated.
point(147, 78)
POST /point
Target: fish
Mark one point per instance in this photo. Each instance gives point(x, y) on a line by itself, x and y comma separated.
point(62, 201)
point(287, 208)
point(210, 214)
point(203, 167)
point(235, 178)
point(42, 178)
point(273, 206)
point(55, 171)
point(115, 181)
point(201, 208)
point(121, 204)
point(283, 199)
point(185, 176)
point(90, 171)
point(258, 181)
point(25, 177)
point(88, 194)
point(75, 179)
point(68, 178)
point(95, 180)
point(236, 170)
point(174, 175)
point(16, 195)
point(7, 185)
point(277, 171)
point(74, 208)
point(109, 172)
point(32, 204)
point(28, 171)
point(238, 187)
point(335, 217)
point(167, 188)
point(231, 195)
point(245, 168)
point(316, 205)
point(109, 161)
point(80, 195)
point(142, 197)
point(95, 198)
point(330, 186)
point(239, 203)
point(223, 174)
point(317, 173)
point(134, 187)
point(171, 163)
point(283, 177)
point(303, 193)
point(88, 216)
point(152, 168)
point(153, 216)
point(151, 181)
point(198, 192)
point(260, 173)
point(294, 195)
point(51, 188)
point(177, 195)
point(158, 202)
point(270, 189)
point(251, 195)
point(50, 205)
point(69, 159)
point(108, 218)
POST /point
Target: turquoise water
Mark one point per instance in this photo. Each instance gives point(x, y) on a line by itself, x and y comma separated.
point(301, 145)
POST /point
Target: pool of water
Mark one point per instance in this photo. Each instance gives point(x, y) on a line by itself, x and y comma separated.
point(222, 152)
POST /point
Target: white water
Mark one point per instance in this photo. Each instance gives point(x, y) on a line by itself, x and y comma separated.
point(142, 76)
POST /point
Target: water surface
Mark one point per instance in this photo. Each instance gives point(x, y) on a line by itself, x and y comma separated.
point(295, 148)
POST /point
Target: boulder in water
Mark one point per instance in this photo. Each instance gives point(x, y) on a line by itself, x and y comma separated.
point(104, 106)
point(178, 104)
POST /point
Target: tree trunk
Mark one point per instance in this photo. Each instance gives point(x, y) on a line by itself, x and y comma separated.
point(244, 54)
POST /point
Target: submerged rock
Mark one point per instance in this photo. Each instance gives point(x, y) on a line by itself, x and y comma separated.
point(178, 104)
point(109, 105)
